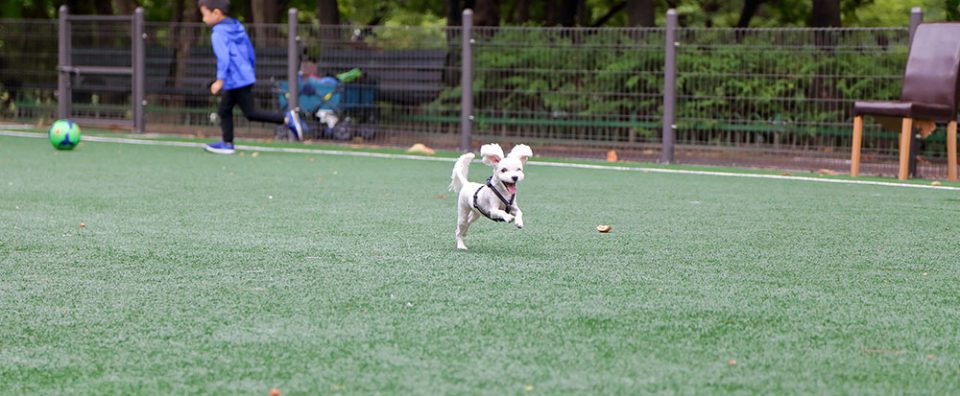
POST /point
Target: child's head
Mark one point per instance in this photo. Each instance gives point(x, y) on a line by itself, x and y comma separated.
point(213, 11)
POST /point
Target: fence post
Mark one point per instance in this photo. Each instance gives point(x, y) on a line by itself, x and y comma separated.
point(293, 61)
point(916, 18)
point(139, 64)
point(669, 89)
point(64, 95)
point(466, 82)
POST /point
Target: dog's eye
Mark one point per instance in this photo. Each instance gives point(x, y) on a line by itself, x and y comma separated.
point(503, 170)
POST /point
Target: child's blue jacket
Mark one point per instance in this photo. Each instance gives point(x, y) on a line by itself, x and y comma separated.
point(235, 57)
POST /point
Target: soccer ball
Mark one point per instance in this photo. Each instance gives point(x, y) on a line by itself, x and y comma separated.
point(64, 135)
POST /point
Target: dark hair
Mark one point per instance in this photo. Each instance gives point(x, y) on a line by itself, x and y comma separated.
point(222, 5)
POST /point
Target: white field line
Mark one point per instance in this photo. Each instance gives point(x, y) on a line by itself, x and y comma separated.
point(538, 163)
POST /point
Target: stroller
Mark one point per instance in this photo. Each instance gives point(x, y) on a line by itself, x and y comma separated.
point(341, 110)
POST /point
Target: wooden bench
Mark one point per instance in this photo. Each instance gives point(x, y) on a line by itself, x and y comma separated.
point(161, 68)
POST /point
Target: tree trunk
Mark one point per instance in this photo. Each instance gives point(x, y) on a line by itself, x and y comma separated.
point(487, 13)
point(80, 7)
point(454, 13)
point(103, 7)
point(259, 11)
point(750, 8)
point(710, 8)
point(567, 12)
point(826, 13)
point(126, 7)
point(521, 12)
point(583, 13)
point(641, 13)
point(328, 12)
point(186, 11)
point(551, 13)
point(271, 11)
point(265, 12)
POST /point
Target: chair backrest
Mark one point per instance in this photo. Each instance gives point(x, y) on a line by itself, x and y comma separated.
point(933, 65)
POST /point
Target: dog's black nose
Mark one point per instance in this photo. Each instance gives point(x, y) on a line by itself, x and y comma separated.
point(515, 178)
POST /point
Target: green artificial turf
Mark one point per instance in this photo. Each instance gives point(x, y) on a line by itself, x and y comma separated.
point(203, 274)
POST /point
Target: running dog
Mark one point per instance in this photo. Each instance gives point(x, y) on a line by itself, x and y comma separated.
point(496, 199)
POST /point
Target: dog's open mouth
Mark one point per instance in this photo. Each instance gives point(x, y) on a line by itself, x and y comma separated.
point(511, 187)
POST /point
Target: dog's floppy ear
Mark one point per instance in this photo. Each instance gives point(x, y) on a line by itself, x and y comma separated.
point(522, 152)
point(491, 154)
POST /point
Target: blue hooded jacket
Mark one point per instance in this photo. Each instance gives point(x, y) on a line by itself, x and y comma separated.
point(235, 58)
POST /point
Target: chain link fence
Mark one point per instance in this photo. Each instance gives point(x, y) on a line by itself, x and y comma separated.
point(577, 91)
point(778, 98)
point(409, 90)
point(180, 65)
point(782, 97)
point(28, 70)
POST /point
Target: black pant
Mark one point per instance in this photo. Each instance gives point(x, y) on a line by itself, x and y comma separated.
point(244, 98)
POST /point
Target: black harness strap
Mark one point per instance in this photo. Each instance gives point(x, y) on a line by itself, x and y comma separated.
point(509, 204)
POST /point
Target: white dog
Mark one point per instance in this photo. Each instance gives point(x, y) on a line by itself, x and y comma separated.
point(497, 199)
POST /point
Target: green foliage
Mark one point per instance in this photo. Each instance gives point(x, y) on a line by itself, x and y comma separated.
point(537, 73)
point(757, 81)
point(693, 13)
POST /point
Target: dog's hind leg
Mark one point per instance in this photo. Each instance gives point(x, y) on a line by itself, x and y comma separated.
point(464, 215)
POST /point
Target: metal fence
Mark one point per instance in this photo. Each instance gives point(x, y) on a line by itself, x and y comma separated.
point(410, 88)
point(180, 66)
point(764, 96)
point(579, 91)
point(746, 97)
point(28, 69)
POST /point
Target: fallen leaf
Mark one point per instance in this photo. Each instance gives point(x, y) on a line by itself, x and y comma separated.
point(420, 148)
point(440, 196)
point(612, 156)
point(825, 171)
point(732, 362)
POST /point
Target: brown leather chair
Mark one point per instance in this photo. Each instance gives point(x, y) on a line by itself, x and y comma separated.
point(929, 94)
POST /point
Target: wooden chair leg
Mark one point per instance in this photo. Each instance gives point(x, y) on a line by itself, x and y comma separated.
point(905, 133)
point(857, 141)
point(952, 151)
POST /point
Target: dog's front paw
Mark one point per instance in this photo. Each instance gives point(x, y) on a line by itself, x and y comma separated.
point(519, 224)
point(508, 218)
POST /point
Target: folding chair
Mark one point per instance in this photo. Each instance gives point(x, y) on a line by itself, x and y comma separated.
point(929, 95)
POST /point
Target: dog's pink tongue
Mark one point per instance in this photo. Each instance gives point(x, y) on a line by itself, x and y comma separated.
point(512, 189)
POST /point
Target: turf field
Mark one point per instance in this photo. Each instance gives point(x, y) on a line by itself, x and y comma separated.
point(315, 274)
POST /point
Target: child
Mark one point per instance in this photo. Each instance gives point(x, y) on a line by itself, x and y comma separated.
point(235, 75)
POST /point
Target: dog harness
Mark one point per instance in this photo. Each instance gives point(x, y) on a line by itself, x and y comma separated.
point(489, 184)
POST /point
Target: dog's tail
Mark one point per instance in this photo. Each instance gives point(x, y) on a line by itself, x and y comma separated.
point(460, 171)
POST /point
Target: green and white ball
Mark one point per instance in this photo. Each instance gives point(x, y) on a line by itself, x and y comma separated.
point(64, 135)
